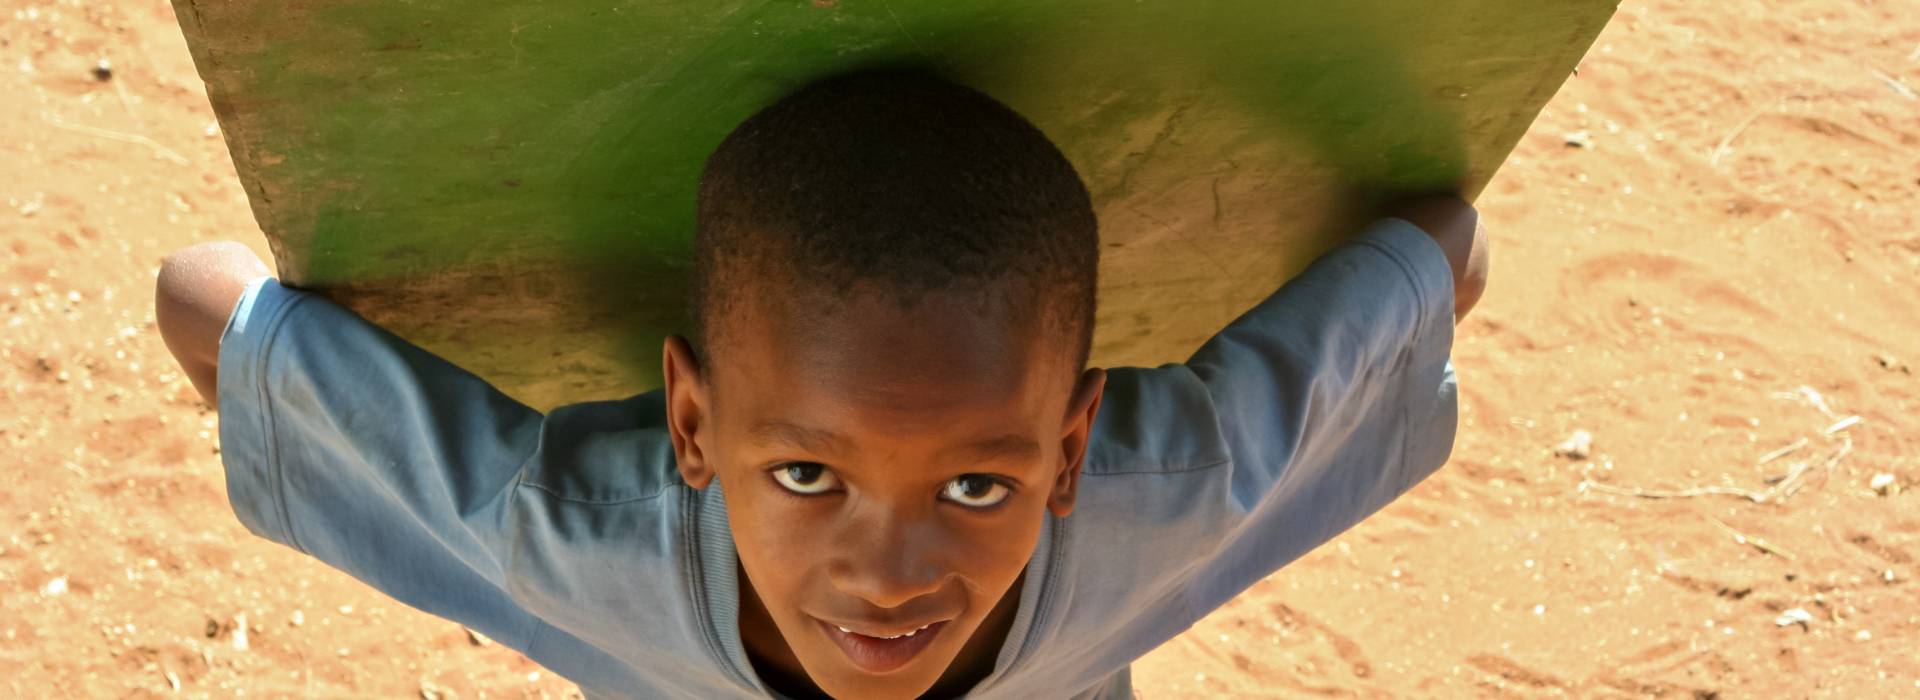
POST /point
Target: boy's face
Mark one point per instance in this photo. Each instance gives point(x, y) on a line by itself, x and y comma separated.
point(886, 473)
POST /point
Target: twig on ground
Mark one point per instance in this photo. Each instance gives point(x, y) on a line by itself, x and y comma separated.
point(158, 149)
point(1782, 452)
point(1791, 474)
point(1713, 157)
point(1780, 487)
point(120, 89)
point(1846, 448)
point(1843, 424)
point(1783, 486)
point(1756, 542)
point(1791, 482)
point(1819, 402)
point(1695, 492)
point(1892, 82)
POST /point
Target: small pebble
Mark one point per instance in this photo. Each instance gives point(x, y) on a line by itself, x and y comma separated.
point(1579, 139)
point(240, 632)
point(431, 691)
point(1892, 364)
point(56, 587)
point(1576, 447)
point(1796, 616)
point(1883, 484)
point(103, 71)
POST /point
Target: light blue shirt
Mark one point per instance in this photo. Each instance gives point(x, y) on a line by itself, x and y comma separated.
point(571, 538)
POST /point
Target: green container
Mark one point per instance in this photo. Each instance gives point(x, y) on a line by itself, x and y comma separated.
point(510, 184)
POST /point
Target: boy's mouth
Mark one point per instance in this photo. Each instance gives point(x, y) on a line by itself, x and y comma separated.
point(883, 650)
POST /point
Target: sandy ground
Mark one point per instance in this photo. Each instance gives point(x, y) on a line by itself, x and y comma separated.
point(1725, 270)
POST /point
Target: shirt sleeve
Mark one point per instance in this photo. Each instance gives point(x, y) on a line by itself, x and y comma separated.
point(353, 446)
point(1332, 397)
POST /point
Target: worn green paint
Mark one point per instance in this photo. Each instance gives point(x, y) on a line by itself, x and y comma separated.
point(511, 184)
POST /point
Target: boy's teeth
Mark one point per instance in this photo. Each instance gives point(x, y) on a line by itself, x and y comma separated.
point(897, 636)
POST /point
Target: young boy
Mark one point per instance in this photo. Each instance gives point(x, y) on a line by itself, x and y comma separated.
point(879, 469)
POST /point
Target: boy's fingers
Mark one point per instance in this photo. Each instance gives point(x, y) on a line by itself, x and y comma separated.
point(1455, 226)
point(1445, 217)
point(1471, 281)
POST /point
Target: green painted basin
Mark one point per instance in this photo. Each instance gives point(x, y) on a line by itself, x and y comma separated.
point(510, 184)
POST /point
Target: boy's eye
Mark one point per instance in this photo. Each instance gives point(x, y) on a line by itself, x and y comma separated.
point(805, 478)
point(976, 491)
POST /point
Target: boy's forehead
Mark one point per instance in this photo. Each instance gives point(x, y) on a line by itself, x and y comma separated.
point(969, 448)
point(871, 356)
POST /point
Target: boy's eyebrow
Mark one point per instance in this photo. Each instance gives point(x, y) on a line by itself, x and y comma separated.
point(821, 441)
point(1011, 447)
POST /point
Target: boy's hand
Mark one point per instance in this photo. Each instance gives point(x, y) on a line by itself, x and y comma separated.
point(1454, 224)
point(196, 292)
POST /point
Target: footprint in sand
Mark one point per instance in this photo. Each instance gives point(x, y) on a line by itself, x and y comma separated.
point(1343, 646)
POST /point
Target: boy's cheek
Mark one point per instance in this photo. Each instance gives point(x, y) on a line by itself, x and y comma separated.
point(764, 528)
point(781, 544)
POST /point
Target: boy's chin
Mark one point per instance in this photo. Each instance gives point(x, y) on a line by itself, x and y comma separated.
point(850, 683)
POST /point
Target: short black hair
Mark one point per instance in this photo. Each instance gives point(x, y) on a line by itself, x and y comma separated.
point(898, 181)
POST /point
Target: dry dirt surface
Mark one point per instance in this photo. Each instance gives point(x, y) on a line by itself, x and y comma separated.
point(1706, 262)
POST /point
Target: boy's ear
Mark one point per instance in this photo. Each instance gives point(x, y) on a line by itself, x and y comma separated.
point(687, 406)
point(1081, 410)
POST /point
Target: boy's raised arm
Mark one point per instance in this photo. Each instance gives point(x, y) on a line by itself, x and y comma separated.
point(1335, 394)
point(193, 297)
point(349, 444)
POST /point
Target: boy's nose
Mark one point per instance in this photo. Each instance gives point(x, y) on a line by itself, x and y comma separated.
point(887, 564)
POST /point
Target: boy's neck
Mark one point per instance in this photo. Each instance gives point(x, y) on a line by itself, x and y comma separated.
point(780, 670)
